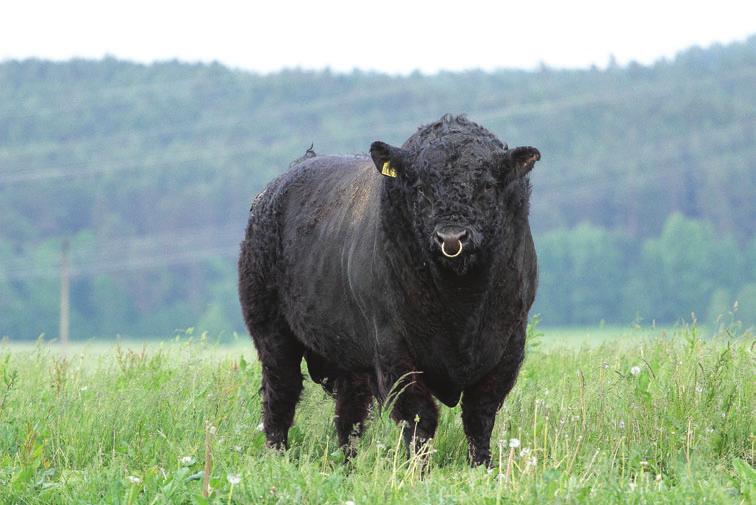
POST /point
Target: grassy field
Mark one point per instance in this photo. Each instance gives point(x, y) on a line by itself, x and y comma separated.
point(656, 416)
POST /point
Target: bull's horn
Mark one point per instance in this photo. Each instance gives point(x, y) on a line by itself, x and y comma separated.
point(459, 251)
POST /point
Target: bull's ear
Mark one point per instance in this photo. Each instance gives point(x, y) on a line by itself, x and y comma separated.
point(389, 160)
point(519, 161)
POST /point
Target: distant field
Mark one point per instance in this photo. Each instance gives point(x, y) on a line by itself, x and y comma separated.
point(225, 344)
point(601, 416)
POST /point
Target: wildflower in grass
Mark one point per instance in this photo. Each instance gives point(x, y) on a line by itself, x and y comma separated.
point(632, 485)
point(699, 389)
point(349, 502)
point(514, 443)
point(187, 460)
point(213, 430)
point(238, 448)
point(260, 427)
point(604, 365)
point(233, 479)
point(621, 424)
point(644, 463)
point(532, 461)
point(134, 479)
point(84, 388)
point(525, 452)
point(636, 370)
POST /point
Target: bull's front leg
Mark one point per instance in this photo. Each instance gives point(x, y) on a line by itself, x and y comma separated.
point(403, 388)
point(481, 401)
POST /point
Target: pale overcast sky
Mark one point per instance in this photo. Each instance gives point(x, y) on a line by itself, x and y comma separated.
point(386, 35)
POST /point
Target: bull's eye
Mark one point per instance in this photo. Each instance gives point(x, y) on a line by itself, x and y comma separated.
point(489, 186)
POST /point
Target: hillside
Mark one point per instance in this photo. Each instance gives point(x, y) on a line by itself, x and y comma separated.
point(149, 171)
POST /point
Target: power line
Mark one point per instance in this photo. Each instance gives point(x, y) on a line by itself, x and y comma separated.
point(115, 265)
point(230, 151)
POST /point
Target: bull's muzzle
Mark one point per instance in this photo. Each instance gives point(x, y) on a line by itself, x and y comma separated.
point(452, 240)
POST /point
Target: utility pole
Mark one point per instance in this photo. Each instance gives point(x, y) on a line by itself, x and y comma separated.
point(65, 290)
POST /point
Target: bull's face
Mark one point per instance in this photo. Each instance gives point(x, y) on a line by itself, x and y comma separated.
point(457, 192)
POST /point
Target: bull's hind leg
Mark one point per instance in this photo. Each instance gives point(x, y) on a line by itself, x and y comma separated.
point(481, 401)
point(353, 397)
point(281, 355)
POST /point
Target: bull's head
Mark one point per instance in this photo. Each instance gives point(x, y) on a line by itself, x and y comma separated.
point(461, 188)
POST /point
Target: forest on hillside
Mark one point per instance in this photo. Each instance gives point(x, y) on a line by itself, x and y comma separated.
point(643, 204)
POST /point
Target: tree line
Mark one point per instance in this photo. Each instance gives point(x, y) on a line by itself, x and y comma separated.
point(149, 171)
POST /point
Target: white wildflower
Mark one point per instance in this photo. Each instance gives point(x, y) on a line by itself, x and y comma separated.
point(349, 502)
point(658, 477)
point(575, 419)
point(238, 448)
point(604, 365)
point(621, 424)
point(261, 427)
point(709, 430)
point(233, 478)
point(532, 461)
point(636, 370)
point(699, 389)
point(187, 460)
point(84, 388)
point(644, 463)
point(514, 443)
point(525, 452)
point(632, 485)
point(134, 479)
point(213, 430)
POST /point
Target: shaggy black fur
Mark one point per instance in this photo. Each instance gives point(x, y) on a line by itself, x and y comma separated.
point(343, 266)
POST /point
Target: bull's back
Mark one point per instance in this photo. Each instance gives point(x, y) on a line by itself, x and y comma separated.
point(325, 213)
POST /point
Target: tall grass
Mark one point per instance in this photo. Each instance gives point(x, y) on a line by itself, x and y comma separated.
point(667, 419)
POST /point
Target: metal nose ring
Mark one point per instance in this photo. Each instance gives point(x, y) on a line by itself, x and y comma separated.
point(459, 251)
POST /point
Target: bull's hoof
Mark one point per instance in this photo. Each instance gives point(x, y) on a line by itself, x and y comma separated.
point(276, 442)
point(479, 458)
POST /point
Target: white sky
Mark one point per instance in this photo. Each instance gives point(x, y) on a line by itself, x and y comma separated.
point(386, 35)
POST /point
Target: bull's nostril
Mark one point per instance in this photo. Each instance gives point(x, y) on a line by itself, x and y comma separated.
point(463, 236)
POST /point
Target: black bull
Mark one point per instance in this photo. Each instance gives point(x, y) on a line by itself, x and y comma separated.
point(417, 276)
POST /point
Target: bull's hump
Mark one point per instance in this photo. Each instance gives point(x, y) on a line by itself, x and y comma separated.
point(332, 162)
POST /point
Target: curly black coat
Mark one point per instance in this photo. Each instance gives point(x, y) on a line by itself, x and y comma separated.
point(418, 276)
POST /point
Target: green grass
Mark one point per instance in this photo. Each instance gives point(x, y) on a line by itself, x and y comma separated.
point(127, 424)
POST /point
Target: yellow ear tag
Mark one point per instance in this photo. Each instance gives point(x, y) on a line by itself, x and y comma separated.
point(388, 170)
